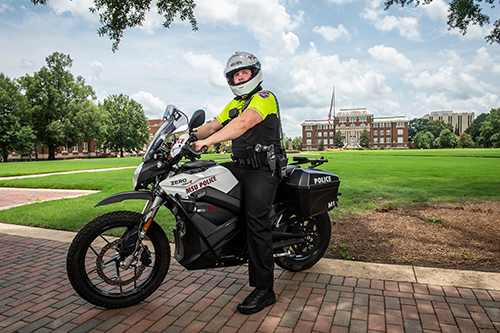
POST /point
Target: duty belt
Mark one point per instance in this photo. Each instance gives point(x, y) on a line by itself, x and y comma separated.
point(260, 160)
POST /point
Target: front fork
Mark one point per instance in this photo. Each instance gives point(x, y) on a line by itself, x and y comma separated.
point(149, 213)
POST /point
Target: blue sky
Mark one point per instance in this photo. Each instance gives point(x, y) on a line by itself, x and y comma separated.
point(400, 62)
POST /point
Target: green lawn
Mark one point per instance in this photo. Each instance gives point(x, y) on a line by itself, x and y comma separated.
point(369, 179)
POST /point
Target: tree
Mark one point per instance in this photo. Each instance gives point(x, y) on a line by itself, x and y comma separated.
point(338, 140)
point(129, 127)
point(475, 127)
point(118, 15)
point(296, 142)
point(321, 146)
point(437, 126)
point(416, 125)
point(15, 132)
point(55, 97)
point(461, 14)
point(87, 122)
point(447, 139)
point(465, 140)
point(364, 139)
point(490, 130)
point(423, 140)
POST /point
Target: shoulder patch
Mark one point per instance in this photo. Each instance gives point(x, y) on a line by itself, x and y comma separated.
point(263, 93)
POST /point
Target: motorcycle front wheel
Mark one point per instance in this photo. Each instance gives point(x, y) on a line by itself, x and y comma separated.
point(307, 254)
point(95, 268)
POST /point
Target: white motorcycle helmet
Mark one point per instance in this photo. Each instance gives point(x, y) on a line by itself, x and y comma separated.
point(239, 61)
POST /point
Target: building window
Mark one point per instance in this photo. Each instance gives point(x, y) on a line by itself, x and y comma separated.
point(85, 146)
point(75, 149)
point(308, 134)
point(331, 141)
point(325, 134)
point(352, 125)
point(331, 133)
point(319, 134)
point(375, 125)
point(388, 132)
point(381, 140)
point(375, 140)
point(400, 140)
point(352, 133)
point(64, 149)
point(400, 132)
point(308, 127)
point(342, 133)
point(375, 132)
point(352, 119)
point(308, 142)
point(343, 125)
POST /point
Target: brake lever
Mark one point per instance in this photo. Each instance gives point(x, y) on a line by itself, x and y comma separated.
point(196, 153)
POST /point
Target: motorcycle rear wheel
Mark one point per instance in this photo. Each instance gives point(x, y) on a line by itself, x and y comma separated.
point(306, 255)
point(93, 263)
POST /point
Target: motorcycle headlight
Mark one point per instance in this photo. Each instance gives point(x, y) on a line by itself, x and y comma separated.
point(137, 172)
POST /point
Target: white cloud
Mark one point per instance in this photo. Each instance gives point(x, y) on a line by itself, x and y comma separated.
point(437, 10)
point(96, 68)
point(267, 20)
point(332, 34)
point(210, 68)
point(458, 78)
point(391, 56)
point(341, 2)
point(76, 8)
point(407, 26)
point(310, 77)
point(153, 106)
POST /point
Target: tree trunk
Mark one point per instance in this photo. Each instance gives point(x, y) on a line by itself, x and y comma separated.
point(52, 153)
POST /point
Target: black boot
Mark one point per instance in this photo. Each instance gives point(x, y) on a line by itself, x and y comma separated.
point(257, 300)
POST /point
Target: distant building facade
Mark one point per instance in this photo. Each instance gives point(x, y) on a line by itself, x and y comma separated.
point(82, 150)
point(460, 121)
point(390, 132)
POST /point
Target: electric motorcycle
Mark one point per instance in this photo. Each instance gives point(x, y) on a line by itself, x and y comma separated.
point(120, 258)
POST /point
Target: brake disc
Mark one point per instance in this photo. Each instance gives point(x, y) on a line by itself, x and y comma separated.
point(116, 279)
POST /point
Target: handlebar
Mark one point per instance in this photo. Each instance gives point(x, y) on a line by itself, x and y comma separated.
point(314, 162)
point(195, 153)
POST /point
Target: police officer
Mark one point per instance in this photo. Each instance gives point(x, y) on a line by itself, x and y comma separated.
point(251, 120)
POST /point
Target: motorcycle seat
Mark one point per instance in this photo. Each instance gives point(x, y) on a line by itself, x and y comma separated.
point(198, 164)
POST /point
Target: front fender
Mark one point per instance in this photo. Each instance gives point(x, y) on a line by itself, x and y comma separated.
point(119, 197)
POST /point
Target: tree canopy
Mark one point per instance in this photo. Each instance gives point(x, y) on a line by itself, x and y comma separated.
point(15, 132)
point(56, 97)
point(461, 14)
point(129, 127)
point(118, 15)
point(490, 130)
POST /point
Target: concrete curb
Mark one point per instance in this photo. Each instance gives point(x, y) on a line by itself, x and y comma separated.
point(354, 269)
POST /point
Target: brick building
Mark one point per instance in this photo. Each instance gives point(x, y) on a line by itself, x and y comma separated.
point(390, 132)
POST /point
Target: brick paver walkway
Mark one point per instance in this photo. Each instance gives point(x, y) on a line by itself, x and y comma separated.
point(35, 296)
point(10, 197)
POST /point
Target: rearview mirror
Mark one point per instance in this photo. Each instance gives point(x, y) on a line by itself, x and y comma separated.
point(197, 119)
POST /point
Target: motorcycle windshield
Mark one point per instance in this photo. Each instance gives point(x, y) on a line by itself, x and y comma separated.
point(176, 122)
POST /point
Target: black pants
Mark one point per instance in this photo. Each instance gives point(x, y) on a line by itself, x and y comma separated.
point(260, 189)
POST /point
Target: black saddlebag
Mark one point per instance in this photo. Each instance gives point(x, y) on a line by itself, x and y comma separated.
point(312, 191)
